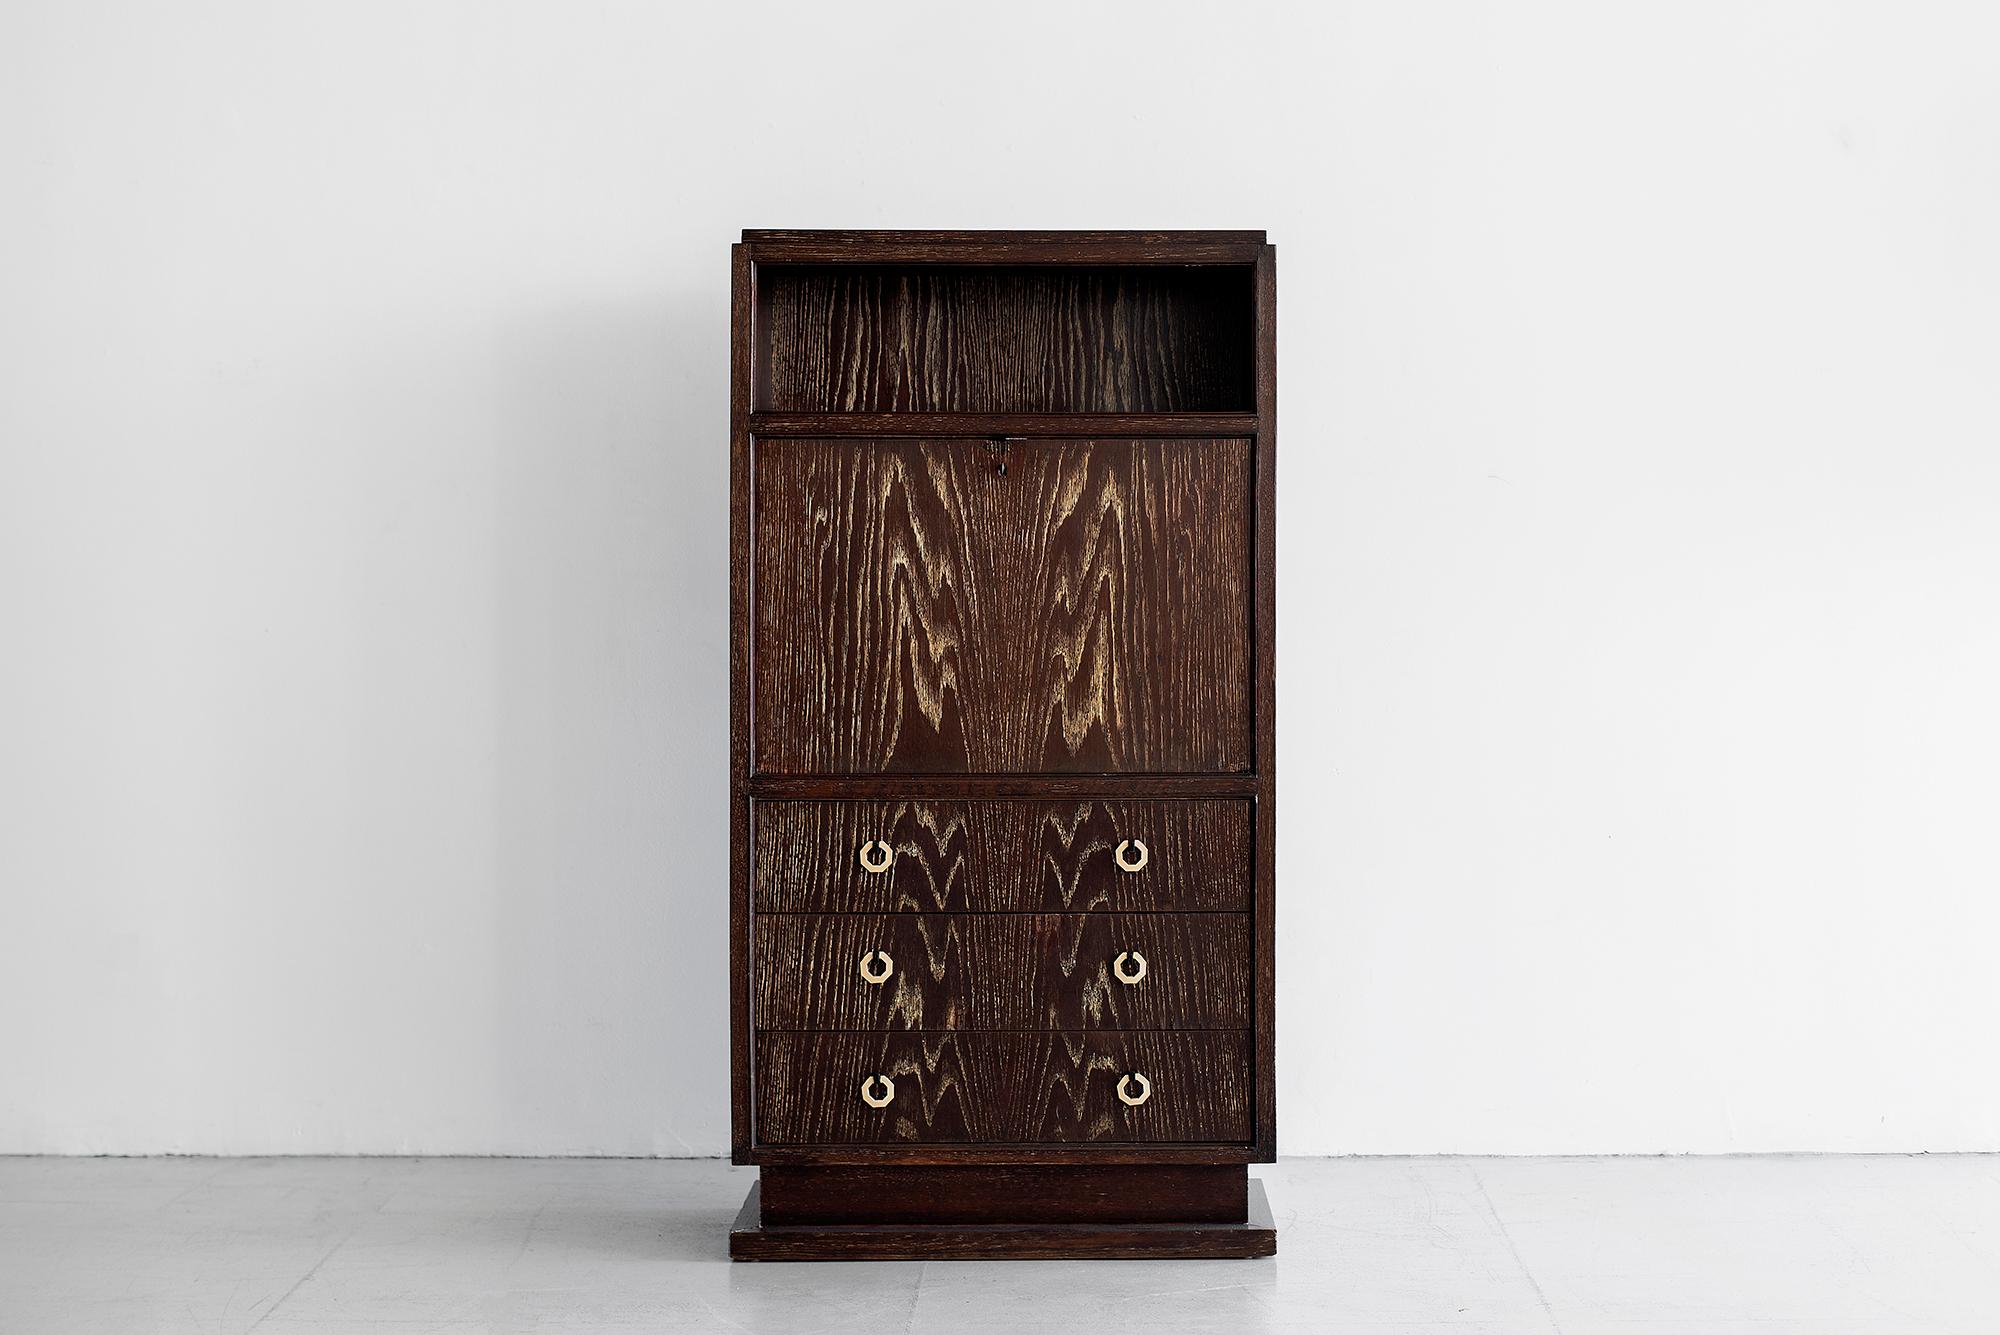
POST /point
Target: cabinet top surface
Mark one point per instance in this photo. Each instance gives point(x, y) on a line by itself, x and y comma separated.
point(965, 238)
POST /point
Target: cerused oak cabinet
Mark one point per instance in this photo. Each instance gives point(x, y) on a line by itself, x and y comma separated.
point(1001, 799)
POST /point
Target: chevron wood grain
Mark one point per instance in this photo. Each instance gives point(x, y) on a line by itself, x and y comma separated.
point(1005, 856)
point(1002, 971)
point(983, 1088)
point(941, 606)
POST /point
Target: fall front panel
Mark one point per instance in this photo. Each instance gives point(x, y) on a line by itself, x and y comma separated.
point(977, 607)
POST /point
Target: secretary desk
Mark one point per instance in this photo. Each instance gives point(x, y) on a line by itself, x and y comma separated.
point(1001, 772)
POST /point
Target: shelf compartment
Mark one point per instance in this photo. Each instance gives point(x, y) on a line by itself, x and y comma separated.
point(942, 338)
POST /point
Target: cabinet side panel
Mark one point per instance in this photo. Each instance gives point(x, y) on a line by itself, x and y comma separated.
point(1266, 706)
point(740, 1058)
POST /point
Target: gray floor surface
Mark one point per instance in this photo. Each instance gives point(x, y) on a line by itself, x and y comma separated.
point(1687, 1246)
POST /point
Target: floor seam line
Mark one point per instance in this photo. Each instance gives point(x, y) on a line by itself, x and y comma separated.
point(916, 1297)
point(286, 1296)
point(1494, 1212)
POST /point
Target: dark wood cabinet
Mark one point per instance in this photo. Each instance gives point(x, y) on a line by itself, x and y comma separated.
point(1002, 782)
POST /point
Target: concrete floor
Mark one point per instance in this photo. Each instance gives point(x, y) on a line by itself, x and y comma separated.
point(1467, 1246)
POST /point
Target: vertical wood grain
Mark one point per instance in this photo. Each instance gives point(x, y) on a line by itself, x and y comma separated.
point(862, 338)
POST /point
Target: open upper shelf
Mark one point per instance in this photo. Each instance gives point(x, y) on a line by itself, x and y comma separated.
point(878, 338)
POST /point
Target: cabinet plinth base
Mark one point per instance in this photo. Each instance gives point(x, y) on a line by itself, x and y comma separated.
point(750, 1239)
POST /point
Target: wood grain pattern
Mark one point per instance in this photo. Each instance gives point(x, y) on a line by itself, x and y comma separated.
point(1004, 971)
point(987, 1088)
point(1000, 856)
point(1007, 1193)
point(920, 611)
point(868, 338)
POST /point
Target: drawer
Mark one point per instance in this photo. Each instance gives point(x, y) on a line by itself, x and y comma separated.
point(957, 606)
point(1022, 971)
point(1003, 856)
point(816, 1089)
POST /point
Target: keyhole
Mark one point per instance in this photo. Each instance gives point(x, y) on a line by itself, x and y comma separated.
point(999, 448)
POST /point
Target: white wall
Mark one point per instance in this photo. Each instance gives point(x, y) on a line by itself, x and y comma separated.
point(362, 545)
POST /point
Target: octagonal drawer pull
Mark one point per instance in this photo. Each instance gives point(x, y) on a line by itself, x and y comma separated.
point(876, 856)
point(876, 966)
point(1129, 967)
point(874, 1100)
point(1136, 862)
point(1125, 1094)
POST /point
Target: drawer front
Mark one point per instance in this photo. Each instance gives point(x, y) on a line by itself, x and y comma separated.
point(1015, 971)
point(815, 1089)
point(955, 606)
point(1001, 856)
